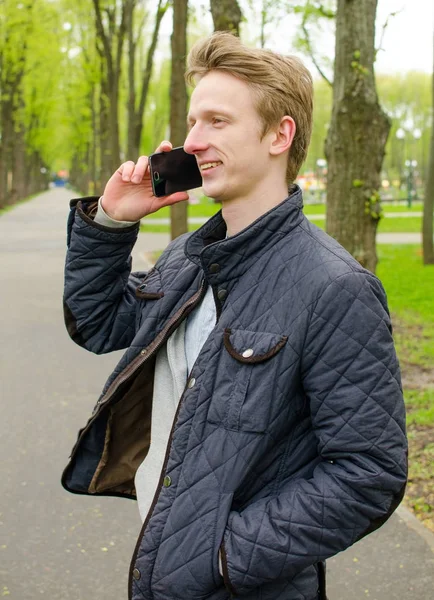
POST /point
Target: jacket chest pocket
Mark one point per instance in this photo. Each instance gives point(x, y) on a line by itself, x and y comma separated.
point(246, 393)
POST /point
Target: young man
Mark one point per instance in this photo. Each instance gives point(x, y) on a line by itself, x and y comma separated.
point(257, 414)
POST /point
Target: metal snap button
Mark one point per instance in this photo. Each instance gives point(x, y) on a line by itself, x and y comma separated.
point(142, 352)
point(136, 574)
point(167, 482)
point(192, 382)
point(221, 294)
point(214, 268)
point(248, 353)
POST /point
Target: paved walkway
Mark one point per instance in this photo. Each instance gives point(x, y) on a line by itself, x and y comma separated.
point(65, 547)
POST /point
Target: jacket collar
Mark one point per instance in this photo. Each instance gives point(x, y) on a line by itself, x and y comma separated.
point(231, 257)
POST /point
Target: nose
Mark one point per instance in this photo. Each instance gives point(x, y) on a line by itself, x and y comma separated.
point(195, 141)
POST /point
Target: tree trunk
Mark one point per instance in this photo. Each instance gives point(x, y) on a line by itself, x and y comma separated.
point(19, 166)
point(357, 136)
point(131, 108)
point(428, 205)
point(19, 160)
point(226, 15)
point(138, 119)
point(104, 132)
point(94, 183)
point(6, 149)
point(178, 103)
point(111, 39)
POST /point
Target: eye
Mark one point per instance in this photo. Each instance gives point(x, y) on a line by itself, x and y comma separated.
point(217, 121)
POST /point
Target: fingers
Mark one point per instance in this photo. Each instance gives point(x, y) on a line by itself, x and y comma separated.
point(175, 198)
point(140, 169)
point(134, 172)
point(126, 169)
point(165, 146)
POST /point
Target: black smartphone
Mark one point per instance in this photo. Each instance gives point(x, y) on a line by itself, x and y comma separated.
point(174, 171)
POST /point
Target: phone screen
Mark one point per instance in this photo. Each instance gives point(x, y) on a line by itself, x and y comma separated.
point(174, 171)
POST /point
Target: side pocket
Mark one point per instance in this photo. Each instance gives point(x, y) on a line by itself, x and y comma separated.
point(150, 288)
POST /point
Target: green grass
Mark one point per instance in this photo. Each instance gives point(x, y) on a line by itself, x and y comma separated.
point(400, 225)
point(409, 287)
point(386, 225)
point(206, 208)
point(408, 283)
point(420, 406)
point(415, 207)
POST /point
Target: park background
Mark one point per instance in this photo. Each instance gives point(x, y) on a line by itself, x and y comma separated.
point(87, 85)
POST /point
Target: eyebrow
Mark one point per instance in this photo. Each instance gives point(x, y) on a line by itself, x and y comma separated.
point(209, 112)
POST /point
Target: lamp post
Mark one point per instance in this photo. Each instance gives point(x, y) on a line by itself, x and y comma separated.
point(321, 163)
point(400, 134)
point(411, 188)
point(416, 134)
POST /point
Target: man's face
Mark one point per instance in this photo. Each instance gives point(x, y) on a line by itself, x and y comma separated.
point(225, 129)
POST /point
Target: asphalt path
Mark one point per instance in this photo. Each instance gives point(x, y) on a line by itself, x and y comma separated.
point(67, 547)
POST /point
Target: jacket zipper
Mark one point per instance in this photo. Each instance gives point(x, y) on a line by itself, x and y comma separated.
point(155, 499)
point(156, 495)
point(144, 355)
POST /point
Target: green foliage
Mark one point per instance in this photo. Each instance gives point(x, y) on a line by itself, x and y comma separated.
point(316, 10)
point(358, 183)
point(63, 69)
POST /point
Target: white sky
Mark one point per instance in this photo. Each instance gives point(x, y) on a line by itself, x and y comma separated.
point(407, 43)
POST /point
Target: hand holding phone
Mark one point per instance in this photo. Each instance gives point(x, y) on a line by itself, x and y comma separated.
point(174, 171)
point(128, 195)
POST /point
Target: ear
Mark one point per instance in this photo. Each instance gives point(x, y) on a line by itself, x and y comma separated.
point(283, 136)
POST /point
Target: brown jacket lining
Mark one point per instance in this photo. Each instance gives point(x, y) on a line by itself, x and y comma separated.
point(128, 435)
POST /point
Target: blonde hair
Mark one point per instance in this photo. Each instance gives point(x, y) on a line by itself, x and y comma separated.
point(281, 85)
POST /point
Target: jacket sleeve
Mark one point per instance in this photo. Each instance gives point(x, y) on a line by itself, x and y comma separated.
point(99, 294)
point(351, 379)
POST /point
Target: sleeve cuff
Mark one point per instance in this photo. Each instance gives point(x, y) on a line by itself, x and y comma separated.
point(102, 218)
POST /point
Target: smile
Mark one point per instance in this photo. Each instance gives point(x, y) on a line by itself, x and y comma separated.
point(211, 165)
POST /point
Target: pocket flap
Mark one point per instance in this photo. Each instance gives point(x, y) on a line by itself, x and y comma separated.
point(252, 346)
point(150, 288)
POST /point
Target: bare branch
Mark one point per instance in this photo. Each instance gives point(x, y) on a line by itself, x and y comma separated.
point(102, 35)
point(383, 31)
point(311, 53)
point(161, 11)
point(120, 40)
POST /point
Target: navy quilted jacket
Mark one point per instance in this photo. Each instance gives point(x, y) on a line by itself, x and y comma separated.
point(289, 440)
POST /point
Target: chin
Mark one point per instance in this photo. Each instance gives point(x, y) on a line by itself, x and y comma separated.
point(213, 192)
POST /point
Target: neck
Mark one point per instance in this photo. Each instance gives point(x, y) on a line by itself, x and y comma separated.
point(242, 211)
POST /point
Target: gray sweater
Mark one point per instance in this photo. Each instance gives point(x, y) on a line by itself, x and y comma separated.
point(174, 361)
